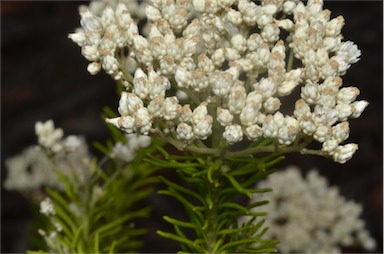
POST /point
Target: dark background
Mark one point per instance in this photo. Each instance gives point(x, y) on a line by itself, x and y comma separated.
point(43, 76)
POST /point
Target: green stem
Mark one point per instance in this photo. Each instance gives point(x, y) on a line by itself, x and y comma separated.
point(290, 60)
point(212, 215)
point(275, 148)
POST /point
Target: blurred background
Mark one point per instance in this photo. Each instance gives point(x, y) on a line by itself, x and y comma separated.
point(43, 76)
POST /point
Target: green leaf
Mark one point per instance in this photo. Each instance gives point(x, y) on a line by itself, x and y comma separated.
point(237, 186)
point(96, 243)
point(215, 166)
point(217, 245)
point(37, 252)
point(231, 231)
point(112, 248)
point(236, 243)
point(181, 189)
point(99, 146)
point(180, 223)
point(103, 231)
point(273, 162)
point(209, 201)
point(176, 195)
point(76, 237)
point(175, 238)
point(234, 206)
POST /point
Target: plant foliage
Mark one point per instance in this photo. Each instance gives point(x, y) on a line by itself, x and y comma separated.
point(102, 214)
point(212, 200)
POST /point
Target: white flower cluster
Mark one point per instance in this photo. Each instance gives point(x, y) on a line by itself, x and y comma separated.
point(34, 167)
point(308, 216)
point(106, 28)
point(46, 207)
point(235, 60)
point(127, 151)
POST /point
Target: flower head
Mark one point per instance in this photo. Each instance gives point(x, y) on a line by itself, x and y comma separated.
point(234, 61)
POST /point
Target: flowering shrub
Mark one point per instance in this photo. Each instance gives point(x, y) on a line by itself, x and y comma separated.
point(233, 85)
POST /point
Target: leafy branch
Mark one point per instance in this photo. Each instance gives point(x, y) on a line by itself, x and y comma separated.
point(213, 204)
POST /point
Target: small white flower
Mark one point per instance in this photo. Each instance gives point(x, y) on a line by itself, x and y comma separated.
point(224, 117)
point(186, 113)
point(94, 68)
point(48, 136)
point(269, 127)
point(47, 208)
point(340, 132)
point(184, 131)
point(155, 107)
point(203, 128)
point(110, 64)
point(329, 146)
point(310, 93)
point(254, 42)
point(349, 51)
point(152, 13)
point(253, 132)
point(322, 133)
point(129, 104)
point(140, 84)
point(359, 108)
point(344, 153)
point(90, 22)
point(90, 52)
point(221, 83)
point(301, 108)
point(72, 142)
point(205, 63)
point(79, 38)
point(289, 6)
point(347, 95)
point(143, 121)
point(199, 5)
point(307, 125)
point(266, 87)
point(344, 111)
point(200, 113)
point(122, 152)
point(233, 134)
point(171, 108)
point(248, 115)
point(183, 77)
point(234, 17)
point(239, 42)
point(271, 105)
point(270, 33)
point(333, 28)
point(286, 24)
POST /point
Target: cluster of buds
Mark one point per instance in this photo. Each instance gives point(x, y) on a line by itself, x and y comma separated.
point(234, 61)
point(127, 151)
point(35, 166)
point(307, 215)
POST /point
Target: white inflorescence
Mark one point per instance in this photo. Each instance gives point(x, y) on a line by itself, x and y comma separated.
point(127, 152)
point(35, 166)
point(46, 207)
point(307, 216)
point(234, 60)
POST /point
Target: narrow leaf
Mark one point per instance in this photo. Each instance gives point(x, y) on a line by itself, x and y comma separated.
point(237, 186)
point(175, 237)
point(180, 223)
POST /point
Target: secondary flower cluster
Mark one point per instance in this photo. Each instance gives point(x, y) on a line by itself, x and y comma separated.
point(306, 215)
point(235, 61)
point(127, 151)
point(34, 168)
